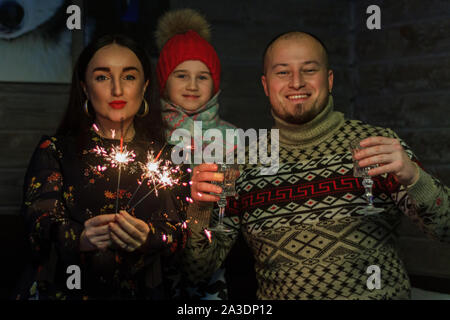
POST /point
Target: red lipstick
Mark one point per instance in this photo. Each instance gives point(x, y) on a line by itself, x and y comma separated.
point(117, 104)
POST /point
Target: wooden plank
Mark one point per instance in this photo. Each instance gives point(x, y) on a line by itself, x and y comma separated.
point(10, 211)
point(399, 77)
point(78, 35)
point(37, 106)
point(325, 13)
point(404, 41)
point(442, 172)
point(11, 184)
point(429, 145)
point(413, 110)
point(17, 148)
point(247, 41)
point(402, 11)
point(40, 88)
point(32, 111)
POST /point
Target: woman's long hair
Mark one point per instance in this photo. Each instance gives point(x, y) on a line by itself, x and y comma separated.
point(75, 121)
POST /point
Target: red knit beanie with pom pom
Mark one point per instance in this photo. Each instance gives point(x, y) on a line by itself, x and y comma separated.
point(187, 46)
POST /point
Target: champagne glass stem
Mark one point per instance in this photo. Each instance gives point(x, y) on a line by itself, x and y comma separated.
point(368, 183)
point(221, 203)
point(221, 215)
point(220, 226)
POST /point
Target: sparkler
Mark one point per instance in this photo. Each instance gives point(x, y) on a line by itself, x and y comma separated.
point(151, 171)
point(165, 176)
point(208, 234)
point(151, 168)
point(114, 158)
point(158, 173)
point(119, 156)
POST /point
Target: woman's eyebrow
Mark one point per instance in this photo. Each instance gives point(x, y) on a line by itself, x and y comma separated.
point(130, 69)
point(107, 69)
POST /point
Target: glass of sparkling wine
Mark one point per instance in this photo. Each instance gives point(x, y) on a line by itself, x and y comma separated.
point(230, 174)
point(367, 182)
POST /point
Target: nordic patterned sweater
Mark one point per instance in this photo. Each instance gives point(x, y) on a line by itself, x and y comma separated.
point(301, 223)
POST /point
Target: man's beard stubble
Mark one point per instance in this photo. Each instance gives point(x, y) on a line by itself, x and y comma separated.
point(301, 117)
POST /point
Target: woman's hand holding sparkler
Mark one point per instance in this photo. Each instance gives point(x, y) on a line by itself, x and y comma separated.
point(128, 232)
point(96, 234)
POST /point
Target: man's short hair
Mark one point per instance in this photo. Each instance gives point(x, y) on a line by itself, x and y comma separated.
point(287, 35)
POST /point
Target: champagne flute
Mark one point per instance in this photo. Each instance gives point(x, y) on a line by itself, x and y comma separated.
point(367, 182)
point(230, 174)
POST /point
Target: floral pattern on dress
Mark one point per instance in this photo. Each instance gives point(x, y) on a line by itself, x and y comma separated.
point(64, 188)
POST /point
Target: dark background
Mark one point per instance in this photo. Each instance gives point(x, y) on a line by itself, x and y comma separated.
point(397, 77)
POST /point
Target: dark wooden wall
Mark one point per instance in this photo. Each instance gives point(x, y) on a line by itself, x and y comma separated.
point(397, 77)
point(27, 111)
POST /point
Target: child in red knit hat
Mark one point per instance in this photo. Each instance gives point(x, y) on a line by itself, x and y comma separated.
point(188, 73)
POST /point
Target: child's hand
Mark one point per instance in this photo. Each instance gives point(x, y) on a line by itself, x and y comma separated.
point(201, 183)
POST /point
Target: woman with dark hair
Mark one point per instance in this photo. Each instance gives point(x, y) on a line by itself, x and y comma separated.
point(88, 237)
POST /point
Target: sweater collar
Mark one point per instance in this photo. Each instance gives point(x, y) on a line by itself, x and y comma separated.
point(312, 132)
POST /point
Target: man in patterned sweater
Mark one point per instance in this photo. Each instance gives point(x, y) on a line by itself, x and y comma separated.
point(301, 223)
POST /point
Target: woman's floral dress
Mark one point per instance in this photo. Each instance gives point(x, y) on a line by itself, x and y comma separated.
point(65, 187)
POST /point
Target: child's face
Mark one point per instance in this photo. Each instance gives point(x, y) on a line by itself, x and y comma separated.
point(190, 85)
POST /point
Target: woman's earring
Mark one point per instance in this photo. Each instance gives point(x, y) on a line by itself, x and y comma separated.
point(145, 110)
point(86, 108)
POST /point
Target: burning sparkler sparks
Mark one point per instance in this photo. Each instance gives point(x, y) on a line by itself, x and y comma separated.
point(208, 234)
point(117, 157)
point(189, 199)
point(157, 172)
point(151, 168)
point(151, 171)
point(160, 176)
